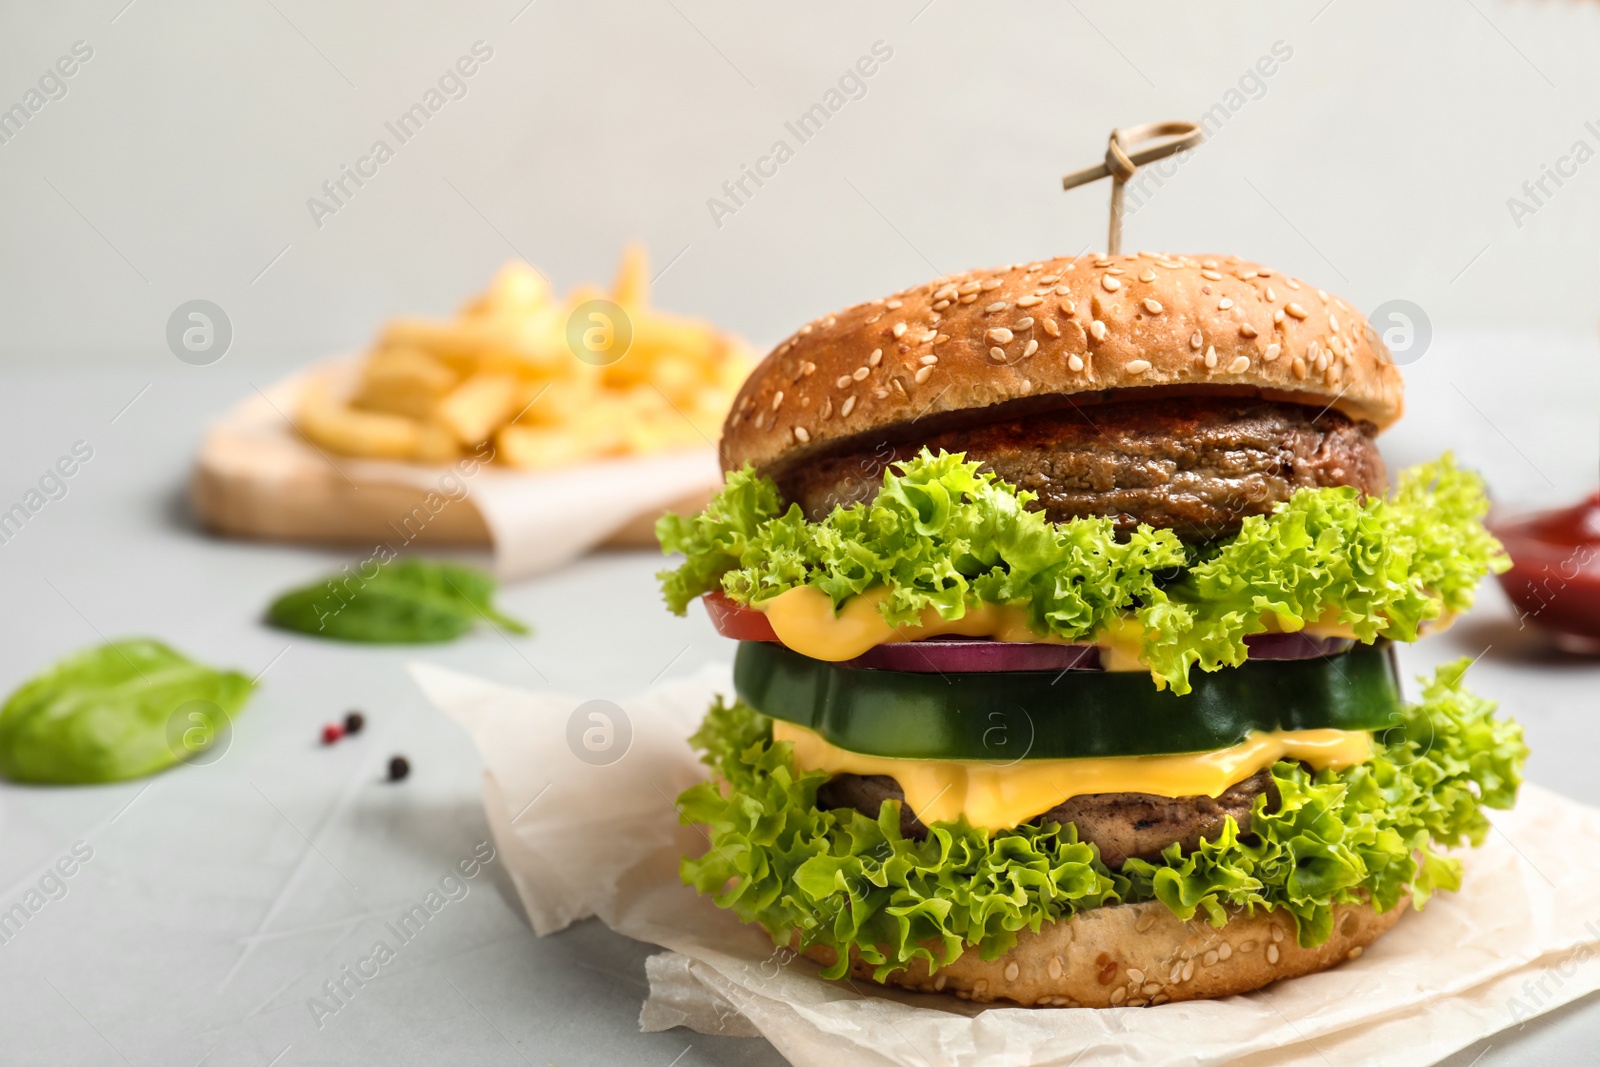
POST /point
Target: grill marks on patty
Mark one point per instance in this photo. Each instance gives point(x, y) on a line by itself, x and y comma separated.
point(1122, 825)
point(1196, 465)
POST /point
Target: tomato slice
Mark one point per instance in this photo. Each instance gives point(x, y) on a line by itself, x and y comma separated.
point(738, 622)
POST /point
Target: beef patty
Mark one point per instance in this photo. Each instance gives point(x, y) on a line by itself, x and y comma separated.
point(1195, 465)
point(1122, 825)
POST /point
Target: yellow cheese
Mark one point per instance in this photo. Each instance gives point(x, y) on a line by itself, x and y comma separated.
point(998, 796)
point(804, 620)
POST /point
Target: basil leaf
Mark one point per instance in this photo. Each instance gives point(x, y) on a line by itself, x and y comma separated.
point(116, 711)
point(409, 601)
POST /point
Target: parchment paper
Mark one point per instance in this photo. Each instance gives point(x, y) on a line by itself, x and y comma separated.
point(537, 520)
point(580, 839)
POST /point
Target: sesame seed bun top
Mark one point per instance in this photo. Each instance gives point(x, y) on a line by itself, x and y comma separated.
point(1059, 331)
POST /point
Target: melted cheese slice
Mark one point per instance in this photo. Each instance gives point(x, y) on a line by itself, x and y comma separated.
point(804, 620)
point(998, 796)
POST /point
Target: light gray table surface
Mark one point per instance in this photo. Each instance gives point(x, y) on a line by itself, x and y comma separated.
point(219, 898)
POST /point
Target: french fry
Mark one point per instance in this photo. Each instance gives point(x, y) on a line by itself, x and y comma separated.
point(478, 405)
point(632, 286)
point(328, 421)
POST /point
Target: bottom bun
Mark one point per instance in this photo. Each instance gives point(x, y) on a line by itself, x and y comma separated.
point(1138, 954)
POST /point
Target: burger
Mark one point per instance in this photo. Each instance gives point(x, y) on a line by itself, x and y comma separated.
point(1065, 596)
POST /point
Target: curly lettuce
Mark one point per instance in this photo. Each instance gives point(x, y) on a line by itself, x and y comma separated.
point(838, 878)
point(944, 535)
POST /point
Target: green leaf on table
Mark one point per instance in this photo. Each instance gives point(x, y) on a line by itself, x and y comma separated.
point(408, 601)
point(116, 711)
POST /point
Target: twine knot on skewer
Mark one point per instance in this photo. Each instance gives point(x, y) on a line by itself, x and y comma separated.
point(1120, 165)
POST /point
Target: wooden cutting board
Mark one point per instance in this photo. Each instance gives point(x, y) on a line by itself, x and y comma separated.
point(257, 477)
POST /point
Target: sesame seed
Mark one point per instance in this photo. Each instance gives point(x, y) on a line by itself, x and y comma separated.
point(1270, 294)
point(1150, 989)
point(1322, 294)
point(1322, 362)
point(893, 305)
point(1272, 953)
point(1336, 344)
point(1333, 321)
point(998, 305)
point(1135, 976)
point(1147, 276)
point(969, 298)
point(880, 393)
point(1075, 362)
point(1118, 996)
point(1239, 365)
point(1115, 270)
point(1291, 283)
point(1054, 967)
point(1354, 953)
point(1210, 958)
point(1049, 279)
point(948, 292)
point(1137, 366)
point(1246, 330)
point(1299, 368)
point(1147, 920)
point(1025, 323)
point(1277, 317)
point(808, 368)
point(1195, 340)
point(940, 305)
point(1159, 998)
point(1273, 352)
point(1137, 1002)
point(928, 360)
point(1211, 356)
point(1224, 304)
point(1111, 284)
point(1277, 933)
point(801, 435)
point(1247, 275)
point(827, 406)
point(1247, 946)
point(929, 335)
point(1028, 301)
point(1051, 328)
point(1188, 970)
point(969, 287)
point(1033, 346)
point(1070, 307)
point(860, 373)
point(991, 284)
point(1062, 290)
point(847, 407)
point(922, 374)
point(1209, 264)
point(876, 357)
point(938, 983)
point(899, 329)
point(941, 338)
point(777, 398)
point(997, 354)
point(1295, 309)
point(1211, 276)
point(1098, 329)
point(1224, 951)
point(843, 381)
point(1012, 970)
point(1152, 305)
point(999, 335)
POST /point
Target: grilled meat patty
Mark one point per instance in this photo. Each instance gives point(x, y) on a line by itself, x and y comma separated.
point(1123, 825)
point(1195, 465)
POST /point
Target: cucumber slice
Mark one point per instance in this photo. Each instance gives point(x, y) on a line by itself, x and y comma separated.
point(1061, 715)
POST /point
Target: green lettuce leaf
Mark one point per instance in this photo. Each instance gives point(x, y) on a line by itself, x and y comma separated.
point(942, 534)
point(840, 879)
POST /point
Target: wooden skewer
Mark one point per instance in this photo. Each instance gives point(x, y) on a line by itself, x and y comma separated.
point(1120, 164)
